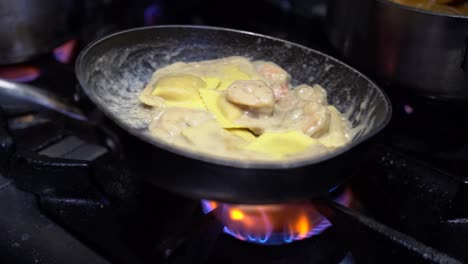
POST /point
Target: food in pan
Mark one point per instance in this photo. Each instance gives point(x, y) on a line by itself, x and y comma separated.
point(457, 7)
point(237, 108)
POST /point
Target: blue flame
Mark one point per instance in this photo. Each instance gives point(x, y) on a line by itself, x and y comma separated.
point(278, 238)
point(206, 207)
point(288, 237)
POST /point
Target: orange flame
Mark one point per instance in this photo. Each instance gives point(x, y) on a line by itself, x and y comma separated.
point(302, 226)
point(236, 215)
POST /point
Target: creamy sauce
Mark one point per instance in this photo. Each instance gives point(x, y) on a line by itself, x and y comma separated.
point(236, 108)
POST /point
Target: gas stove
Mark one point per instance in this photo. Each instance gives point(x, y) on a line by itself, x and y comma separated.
point(68, 196)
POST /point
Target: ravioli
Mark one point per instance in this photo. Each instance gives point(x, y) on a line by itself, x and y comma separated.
point(209, 135)
point(231, 74)
point(243, 133)
point(180, 90)
point(223, 110)
point(282, 143)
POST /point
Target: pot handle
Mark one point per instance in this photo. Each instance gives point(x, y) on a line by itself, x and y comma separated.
point(464, 56)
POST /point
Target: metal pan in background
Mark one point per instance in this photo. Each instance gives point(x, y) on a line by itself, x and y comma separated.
point(30, 28)
point(112, 71)
point(422, 52)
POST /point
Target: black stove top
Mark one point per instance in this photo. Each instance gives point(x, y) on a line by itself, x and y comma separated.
point(67, 196)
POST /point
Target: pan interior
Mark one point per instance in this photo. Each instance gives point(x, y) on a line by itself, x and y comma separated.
point(114, 70)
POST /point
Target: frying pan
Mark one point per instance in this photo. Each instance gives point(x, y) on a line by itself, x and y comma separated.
point(112, 71)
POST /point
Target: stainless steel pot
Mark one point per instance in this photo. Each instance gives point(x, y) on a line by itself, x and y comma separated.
point(29, 28)
point(421, 51)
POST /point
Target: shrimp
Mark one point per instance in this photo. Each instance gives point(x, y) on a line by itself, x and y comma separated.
point(172, 121)
point(275, 76)
point(256, 96)
point(315, 93)
point(312, 118)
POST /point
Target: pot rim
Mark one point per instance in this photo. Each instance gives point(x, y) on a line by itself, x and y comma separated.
point(422, 11)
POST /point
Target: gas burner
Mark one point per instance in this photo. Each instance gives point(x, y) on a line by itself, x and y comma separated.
point(274, 224)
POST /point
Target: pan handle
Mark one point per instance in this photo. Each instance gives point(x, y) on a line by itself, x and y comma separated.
point(354, 224)
point(40, 97)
